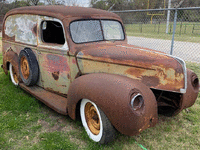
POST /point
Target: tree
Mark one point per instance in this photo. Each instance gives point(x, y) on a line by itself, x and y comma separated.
point(141, 4)
point(63, 2)
point(33, 2)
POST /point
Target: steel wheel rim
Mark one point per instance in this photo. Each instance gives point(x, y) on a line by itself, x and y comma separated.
point(92, 118)
point(25, 67)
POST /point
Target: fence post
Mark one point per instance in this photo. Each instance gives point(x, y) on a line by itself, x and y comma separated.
point(174, 30)
point(168, 16)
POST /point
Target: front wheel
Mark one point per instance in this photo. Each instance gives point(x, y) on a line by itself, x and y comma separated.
point(95, 122)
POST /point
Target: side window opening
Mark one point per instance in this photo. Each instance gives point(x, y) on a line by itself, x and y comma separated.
point(52, 32)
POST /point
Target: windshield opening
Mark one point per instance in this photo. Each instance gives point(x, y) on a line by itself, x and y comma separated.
point(84, 31)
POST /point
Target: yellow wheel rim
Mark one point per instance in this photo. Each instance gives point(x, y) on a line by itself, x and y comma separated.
point(92, 118)
point(24, 67)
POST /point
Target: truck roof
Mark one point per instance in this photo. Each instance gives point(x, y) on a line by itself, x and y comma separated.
point(62, 12)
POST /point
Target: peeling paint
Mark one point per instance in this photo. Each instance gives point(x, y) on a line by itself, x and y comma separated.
point(153, 69)
point(55, 75)
point(22, 28)
point(52, 46)
point(57, 63)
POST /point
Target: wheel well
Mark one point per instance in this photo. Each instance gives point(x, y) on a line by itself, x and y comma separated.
point(168, 102)
point(77, 112)
point(7, 65)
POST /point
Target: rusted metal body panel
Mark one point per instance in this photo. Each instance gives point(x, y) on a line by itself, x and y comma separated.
point(61, 12)
point(22, 28)
point(153, 69)
point(10, 52)
point(56, 102)
point(115, 100)
point(191, 94)
point(55, 72)
point(12, 57)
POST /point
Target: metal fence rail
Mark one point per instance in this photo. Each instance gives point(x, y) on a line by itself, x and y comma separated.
point(175, 31)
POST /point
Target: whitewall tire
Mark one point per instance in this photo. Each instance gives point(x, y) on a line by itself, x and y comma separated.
point(13, 75)
point(95, 122)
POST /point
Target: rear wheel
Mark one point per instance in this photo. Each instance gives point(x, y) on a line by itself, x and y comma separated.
point(95, 122)
point(13, 75)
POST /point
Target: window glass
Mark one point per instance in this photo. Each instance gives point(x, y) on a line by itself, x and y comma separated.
point(52, 32)
point(83, 31)
point(112, 30)
point(86, 31)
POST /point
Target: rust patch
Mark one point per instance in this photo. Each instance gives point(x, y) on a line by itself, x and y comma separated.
point(150, 81)
point(9, 38)
point(12, 57)
point(73, 60)
point(55, 75)
point(135, 71)
point(57, 63)
point(152, 68)
point(61, 12)
point(35, 30)
point(68, 76)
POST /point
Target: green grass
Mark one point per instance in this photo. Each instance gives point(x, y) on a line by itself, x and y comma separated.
point(183, 31)
point(195, 67)
point(27, 124)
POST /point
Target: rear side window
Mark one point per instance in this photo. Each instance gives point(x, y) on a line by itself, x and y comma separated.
point(52, 32)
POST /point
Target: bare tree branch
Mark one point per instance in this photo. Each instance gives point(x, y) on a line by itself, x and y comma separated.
point(180, 3)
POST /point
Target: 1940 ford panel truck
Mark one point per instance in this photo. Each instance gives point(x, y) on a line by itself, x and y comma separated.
point(77, 61)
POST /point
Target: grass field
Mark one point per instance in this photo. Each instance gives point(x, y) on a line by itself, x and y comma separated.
point(183, 31)
point(27, 124)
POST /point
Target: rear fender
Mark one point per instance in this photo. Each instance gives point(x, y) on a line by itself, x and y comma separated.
point(112, 94)
point(10, 57)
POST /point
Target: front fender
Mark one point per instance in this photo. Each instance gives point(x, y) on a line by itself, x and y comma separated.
point(189, 98)
point(112, 94)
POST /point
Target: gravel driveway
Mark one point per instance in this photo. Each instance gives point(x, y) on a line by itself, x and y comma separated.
point(185, 50)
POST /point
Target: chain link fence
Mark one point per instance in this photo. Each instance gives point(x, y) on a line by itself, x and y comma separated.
point(173, 31)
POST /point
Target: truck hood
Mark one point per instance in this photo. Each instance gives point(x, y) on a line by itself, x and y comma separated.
point(155, 69)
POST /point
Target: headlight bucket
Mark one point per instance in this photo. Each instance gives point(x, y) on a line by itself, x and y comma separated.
point(195, 81)
point(137, 101)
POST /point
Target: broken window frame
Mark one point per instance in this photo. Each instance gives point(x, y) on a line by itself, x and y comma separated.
point(41, 43)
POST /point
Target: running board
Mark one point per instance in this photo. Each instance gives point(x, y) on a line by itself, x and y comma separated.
point(54, 101)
